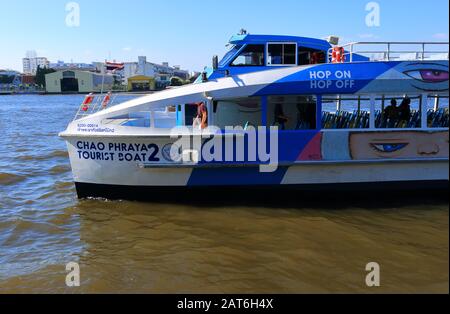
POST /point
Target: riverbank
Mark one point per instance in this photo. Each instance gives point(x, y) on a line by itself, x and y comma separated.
point(6, 93)
point(9, 93)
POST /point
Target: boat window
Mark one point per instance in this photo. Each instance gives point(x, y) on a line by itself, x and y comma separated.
point(292, 112)
point(252, 55)
point(345, 112)
point(226, 58)
point(160, 118)
point(282, 54)
point(242, 112)
point(398, 111)
point(310, 56)
point(438, 111)
point(190, 113)
point(391, 111)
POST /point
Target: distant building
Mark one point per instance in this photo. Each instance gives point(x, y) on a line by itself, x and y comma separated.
point(9, 79)
point(32, 62)
point(77, 81)
point(28, 79)
point(141, 83)
point(61, 65)
point(178, 72)
point(161, 73)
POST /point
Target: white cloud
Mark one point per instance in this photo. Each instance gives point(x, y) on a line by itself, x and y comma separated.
point(440, 36)
point(127, 49)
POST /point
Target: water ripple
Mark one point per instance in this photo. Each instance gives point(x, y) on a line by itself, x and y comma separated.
point(305, 246)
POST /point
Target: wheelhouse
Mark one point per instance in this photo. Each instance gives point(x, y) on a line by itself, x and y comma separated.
point(251, 53)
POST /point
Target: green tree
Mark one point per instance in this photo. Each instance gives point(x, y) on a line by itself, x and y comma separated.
point(176, 81)
point(40, 75)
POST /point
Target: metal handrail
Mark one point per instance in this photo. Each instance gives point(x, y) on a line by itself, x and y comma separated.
point(389, 54)
point(94, 107)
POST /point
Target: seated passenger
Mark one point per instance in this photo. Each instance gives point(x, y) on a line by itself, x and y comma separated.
point(316, 57)
point(391, 114)
point(280, 118)
point(404, 110)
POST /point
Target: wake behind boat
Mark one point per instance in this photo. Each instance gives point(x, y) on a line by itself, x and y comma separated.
point(261, 118)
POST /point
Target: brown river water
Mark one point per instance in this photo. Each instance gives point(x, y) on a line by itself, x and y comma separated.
point(299, 245)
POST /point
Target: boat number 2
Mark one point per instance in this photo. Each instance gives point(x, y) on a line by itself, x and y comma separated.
point(154, 153)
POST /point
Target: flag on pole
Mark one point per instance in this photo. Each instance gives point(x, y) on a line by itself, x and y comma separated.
point(114, 66)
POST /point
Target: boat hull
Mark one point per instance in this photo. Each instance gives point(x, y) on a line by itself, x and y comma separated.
point(130, 167)
point(266, 194)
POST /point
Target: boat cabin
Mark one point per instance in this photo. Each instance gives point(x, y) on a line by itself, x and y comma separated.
point(252, 53)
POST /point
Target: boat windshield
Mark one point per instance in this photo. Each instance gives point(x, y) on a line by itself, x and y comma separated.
point(233, 50)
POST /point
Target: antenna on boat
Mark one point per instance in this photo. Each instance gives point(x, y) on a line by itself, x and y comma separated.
point(103, 76)
point(215, 62)
point(333, 40)
point(243, 32)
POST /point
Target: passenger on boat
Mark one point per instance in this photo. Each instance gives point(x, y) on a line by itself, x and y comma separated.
point(201, 119)
point(280, 118)
point(404, 110)
point(391, 114)
point(316, 58)
point(202, 115)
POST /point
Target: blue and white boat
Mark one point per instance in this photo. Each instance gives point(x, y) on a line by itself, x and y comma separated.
point(276, 112)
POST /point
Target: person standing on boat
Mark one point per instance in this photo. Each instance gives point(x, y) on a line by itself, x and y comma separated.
point(391, 114)
point(202, 116)
point(404, 110)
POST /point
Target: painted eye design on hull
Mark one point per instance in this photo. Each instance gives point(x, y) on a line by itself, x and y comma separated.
point(428, 76)
point(388, 147)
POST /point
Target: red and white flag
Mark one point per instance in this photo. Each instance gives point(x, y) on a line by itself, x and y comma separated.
point(114, 66)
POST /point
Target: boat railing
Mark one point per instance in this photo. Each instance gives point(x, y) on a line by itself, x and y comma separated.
point(98, 103)
point(395, 51)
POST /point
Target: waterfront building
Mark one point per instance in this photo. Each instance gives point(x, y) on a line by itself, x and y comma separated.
point(61, 65)
point(77, 81)
point(32, 62)
point(141, 83)
point(161, 73)
point(9, 80)
point(28, 79)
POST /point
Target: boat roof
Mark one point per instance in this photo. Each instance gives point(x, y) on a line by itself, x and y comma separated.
point(364, 78)
point(262, 39)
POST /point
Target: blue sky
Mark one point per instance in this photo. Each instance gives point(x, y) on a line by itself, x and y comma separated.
point(189, 32)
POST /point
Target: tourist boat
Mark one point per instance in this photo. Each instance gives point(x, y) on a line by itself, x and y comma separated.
point(276, 112)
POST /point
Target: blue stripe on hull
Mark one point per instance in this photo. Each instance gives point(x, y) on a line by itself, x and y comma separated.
point(235, 176)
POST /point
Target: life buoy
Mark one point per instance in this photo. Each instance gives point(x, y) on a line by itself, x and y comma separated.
point(338, 55)
point(87, 101)
point(106, 100)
